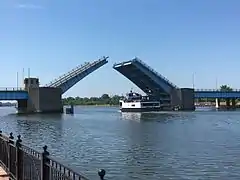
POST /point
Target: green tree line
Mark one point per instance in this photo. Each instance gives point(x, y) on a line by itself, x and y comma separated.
point(105, 99)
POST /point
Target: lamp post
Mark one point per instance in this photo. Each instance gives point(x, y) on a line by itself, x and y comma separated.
point(193, 80)
point(216, 83)
point(17, 80)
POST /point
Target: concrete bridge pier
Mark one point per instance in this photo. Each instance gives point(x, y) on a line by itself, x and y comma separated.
point(22, 106)
point(217, 103)
point(40, 99)
point(234, 103)
point(228, 102)
point(183, 98)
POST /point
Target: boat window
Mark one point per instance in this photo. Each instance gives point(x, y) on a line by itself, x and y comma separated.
point(120, 103)
point(150, 104)
point(26, 81)
point(133, 105)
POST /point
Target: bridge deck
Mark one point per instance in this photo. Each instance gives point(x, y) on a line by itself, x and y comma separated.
point(13, 94)
point(147, 79)
point(69, 79)
point(217, 93)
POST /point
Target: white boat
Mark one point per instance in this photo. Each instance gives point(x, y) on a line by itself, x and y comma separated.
point(135, 102)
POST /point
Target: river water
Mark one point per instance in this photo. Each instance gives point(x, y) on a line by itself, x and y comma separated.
point(173, 145)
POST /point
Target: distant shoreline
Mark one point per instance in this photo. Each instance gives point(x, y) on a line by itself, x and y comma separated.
point(102, 105)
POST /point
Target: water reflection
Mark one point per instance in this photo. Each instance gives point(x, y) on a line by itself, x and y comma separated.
point(152, 140)
point(148, 116)
point(135, 116)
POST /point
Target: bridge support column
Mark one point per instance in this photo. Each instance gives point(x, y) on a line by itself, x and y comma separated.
point(227, 102)
point(22, 106)
point(233, 103)
point(217, 103)
point(183, 98)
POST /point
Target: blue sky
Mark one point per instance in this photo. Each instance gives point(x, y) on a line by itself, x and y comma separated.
point(177, 38)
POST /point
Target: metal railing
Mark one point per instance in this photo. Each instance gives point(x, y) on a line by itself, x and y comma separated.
point(12, 89)
point(23, 163)
point(218, 90)
point(72, 74)
point(154, 71)
point(65, 77)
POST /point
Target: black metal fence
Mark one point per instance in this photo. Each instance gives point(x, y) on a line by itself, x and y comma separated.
point(24, 163)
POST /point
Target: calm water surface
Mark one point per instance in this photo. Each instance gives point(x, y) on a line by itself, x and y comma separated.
point(189, 145)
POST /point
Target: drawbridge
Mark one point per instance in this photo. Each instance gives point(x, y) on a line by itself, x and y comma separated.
point(146, 78)
point(68, 80)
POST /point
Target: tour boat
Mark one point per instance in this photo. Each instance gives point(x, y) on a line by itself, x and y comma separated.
point(135, 102)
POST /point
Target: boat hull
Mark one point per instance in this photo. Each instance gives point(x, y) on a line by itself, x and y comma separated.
point(140, 109)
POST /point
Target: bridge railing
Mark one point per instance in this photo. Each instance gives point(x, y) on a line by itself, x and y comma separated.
point(78, 69)
point(12, 89)
point(154, 71)
point(22, 162)
point(217, 90)
point(77, 72)
point(70, 74)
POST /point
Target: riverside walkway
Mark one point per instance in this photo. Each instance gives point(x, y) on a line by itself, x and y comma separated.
point(19, 162)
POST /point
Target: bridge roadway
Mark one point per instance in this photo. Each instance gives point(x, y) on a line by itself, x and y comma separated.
point(146, 78)
point(21, 94)
point(69, 79)
point(154, 84)
point(13, 94)
point(47, 99)
point(64, 82)
point(216, 93)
